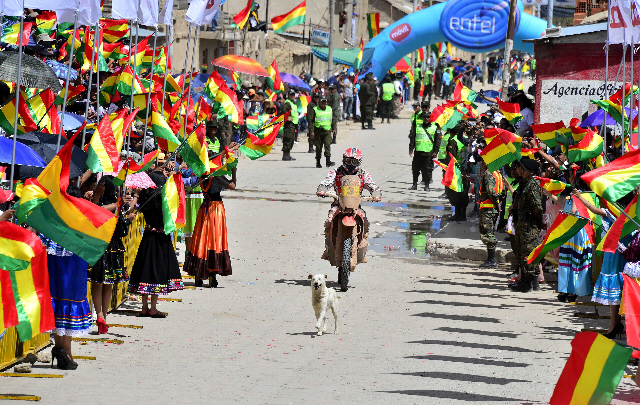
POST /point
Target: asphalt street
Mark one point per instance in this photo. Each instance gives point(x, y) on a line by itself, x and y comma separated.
point(413, 329)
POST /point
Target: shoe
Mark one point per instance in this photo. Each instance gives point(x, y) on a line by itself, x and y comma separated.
point(102, 326)
point(388, 121)
point(414, 187)
point(311, 150)
point(571, 298)
point(286, 156)
point(535, 284)
point(426, 187)
point(318, 165)
point(562, 297)
point(329, 163)
point(523, 285)
point(63, 361)
point(491, 260)
point(198, 282)
point(213, 282)
point(616, 332)
point(382, 122)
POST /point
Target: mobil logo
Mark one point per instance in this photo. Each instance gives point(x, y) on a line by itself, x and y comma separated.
point(400, 33)
point(474, 24)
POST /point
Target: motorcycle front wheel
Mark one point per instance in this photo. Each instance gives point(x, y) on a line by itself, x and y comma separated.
point(346, 264)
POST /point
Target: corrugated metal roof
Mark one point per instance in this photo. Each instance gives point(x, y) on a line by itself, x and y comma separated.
point(575, 30)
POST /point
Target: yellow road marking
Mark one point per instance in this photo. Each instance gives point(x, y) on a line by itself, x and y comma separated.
point(170, 299)
point(31, 375)
point(189, 288)
point(18, 397)
point(97, 340)
point(84, 357)
point(117, 325)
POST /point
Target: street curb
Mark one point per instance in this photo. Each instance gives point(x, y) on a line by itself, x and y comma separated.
point(452, 252)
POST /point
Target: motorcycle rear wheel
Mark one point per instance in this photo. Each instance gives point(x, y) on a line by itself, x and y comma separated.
point(346, 264)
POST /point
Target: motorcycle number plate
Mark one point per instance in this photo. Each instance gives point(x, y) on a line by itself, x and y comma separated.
point(350, 191)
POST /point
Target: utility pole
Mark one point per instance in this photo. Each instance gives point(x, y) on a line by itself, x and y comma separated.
point(549, 14)
point(266, 16)
point(508, 46)
point(332, 11)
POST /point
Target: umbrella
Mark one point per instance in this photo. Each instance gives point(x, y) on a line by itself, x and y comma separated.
point(403, 65)
point(45, 145)
point(488, 93)
point(240, 64)
point(24, 155)
point(133, 180)
point(595, 119)
point(34, 74)
point(198, 81)
point(60, 69)
point(294, 81)
point(72, 121)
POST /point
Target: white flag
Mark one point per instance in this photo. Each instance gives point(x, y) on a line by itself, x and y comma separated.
point(635, 20)
point(89, 13)
point(202, 11)
point(11, 7)
point(54, 5)
point(148, 12)
point(166, 15)
point(125, 9)
point(620, 29)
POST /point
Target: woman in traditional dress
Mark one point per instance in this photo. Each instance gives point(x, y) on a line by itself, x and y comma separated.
point(193, 200)
point(71, 310)
point(155, 270)
point(109, 269)
point(208, 255)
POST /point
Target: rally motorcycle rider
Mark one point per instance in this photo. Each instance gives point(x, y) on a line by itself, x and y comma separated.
point(351, 161)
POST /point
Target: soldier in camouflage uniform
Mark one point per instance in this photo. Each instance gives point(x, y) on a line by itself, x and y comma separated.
point(334, 103)
point(290, 126)
point(527, 214)
point(491, 192)
point(368, 95)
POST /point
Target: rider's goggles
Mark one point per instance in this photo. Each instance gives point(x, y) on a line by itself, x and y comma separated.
point(351, 161)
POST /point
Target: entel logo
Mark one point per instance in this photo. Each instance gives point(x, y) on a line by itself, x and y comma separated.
point(400, 32)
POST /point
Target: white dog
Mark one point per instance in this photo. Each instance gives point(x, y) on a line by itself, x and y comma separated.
point(323, 299)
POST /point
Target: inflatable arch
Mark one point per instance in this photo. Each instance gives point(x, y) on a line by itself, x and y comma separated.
point(472, 25)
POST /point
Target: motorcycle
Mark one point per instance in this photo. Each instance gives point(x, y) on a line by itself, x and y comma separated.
point(346, 244)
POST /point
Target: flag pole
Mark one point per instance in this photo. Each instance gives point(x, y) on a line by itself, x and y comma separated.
point(186, 58)
point(193, 57)
point(606, 84)
point(153, 62)
point(93, 57)
point(166, 67)
point(631, 95)
point(16, 115)
point(624, 84)
point(133, 83)
point(66, 85)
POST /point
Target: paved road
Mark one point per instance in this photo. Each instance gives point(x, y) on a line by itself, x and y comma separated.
point(413, 330)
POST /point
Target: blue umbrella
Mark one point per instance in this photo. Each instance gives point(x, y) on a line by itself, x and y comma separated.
point(294, 81)
point(200, 80)
point(25, 156)
point(596, 118)
point(60, 69)
point(72, 121)
point(488, 93)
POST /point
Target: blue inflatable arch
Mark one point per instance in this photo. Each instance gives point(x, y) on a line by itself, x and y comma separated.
point(472, 25)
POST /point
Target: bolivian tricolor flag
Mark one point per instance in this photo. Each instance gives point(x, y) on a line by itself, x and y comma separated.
point(589, 147)
point(131, 167)
point(241, 18)
point(25, 297)
point(620, 228)
point(45, 22)
point(273, 81)
point(547, 132)
point(236, 80)
point(74, 91)
point(165, 137)
point(555, 187)
point(106, 142)
point(563, 228)
point(294, 17)
point(195, 151)
point(511, 111)
point(261, 143)
point(463, 93)
point(616, 97)
point(616, 179)
point(126, 81)
point(373, 24)
point(453, 176)
point(114, 30)
point(73, 223)
point(173, 204)
point(7, 116)
point(10, 33)
point(302, 102)
point(502, 150)
point(43, 113)
point(593, 371)
point(358, 61)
